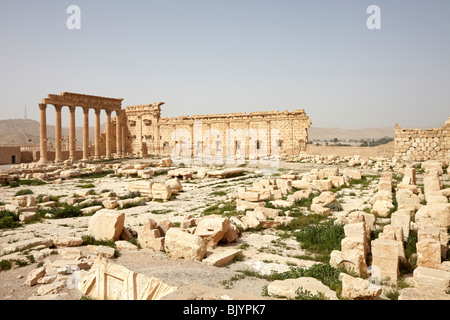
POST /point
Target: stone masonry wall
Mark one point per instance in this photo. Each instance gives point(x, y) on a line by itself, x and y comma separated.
point(421, 145)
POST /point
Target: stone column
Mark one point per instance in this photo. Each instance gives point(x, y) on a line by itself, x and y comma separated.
point(43, 132)
point(269, 139)
point(58, 137)
point(85, 133)
point(108, 134)
point(157, 137)
point(97, 135)
point(122, 135)
point(72, 136)
point(118, 135)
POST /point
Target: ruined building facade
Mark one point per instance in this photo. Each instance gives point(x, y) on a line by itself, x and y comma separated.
point(421, 145)
point(233, 134)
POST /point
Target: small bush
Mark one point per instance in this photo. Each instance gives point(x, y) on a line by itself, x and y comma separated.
point(66, 211)
point(86, 186)
point(335, 206)
point(307, 295)
point(322, 238)
point(90, 240)
point(23, 192)
point(5, 265)
point(8, 220)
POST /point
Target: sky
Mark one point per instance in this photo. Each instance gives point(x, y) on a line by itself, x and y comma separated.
point(223, 56)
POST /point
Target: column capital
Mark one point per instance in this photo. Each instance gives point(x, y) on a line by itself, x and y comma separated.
point(72, 108)
point(97, 111)
point(108, 111)
point(58, 107)
point(42, 106)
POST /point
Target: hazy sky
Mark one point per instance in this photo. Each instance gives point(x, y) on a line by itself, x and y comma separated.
point(211, 56)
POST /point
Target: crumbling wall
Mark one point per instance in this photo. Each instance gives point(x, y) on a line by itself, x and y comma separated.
point(422, 145)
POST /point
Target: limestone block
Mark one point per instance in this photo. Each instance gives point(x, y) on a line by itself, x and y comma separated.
point(406, 198)
point(381, 195)
point(252, 196)
point(67, 241)
point(106, 225)
point(142, 186)
point(322, 185)
point(290, 288)
point(298, 195)
point(103, 251)
point(231, 235)
point(386, 258)
point(439, 234)
point(110, 203)
point(161, 191)
point(34, 276)
point(108, 281)
point(268, 213)
point(385, 186)
point(432, 165)
point(403, 220)
point(429, 253)
point(319, 209)
point(219, 259)
point(212, 229)
point(431, 278)
point(175, 185)
point(422, 294)
point(180, 244)
point(27, 216)
point(431, 182)
point(433, 215)
point(300, 184)
point(358, 289)
point(382, 208)
point(351, 257)
point(325, 198)
point(351, 173)
point(337, 181)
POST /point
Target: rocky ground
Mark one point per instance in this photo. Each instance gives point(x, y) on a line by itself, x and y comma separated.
point(264, 250)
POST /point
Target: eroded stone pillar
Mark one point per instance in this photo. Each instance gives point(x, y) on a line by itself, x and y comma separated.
point(72, 135)
point(43, 132)
point(118, 135)
point(85, 133)
point(108, 134)
point(122, 135)
point(58, 136)
point(97, 135)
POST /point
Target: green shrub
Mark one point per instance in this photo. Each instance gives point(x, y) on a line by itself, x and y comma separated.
point(321, 239)
point(26, 182)
point(90, 240)
point(23, 192)
point(307, 295)
point(335, 206)
point(301, 221)
point(66, 211)
point(86, 186)
point(5, 265)
point(8, 220)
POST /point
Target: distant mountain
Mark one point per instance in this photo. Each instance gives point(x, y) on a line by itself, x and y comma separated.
point(26, 132)
point(316, 133)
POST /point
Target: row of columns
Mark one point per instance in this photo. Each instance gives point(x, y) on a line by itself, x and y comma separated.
point(120, 134)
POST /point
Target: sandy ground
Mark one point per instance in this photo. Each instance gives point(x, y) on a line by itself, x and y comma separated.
point(193, 278)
